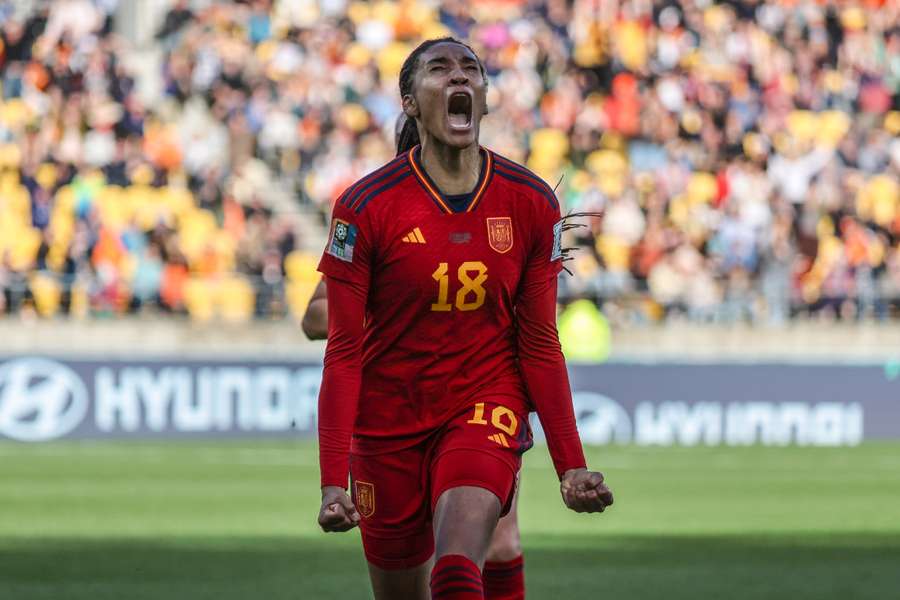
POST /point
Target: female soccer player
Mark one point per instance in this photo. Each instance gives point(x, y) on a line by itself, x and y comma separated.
point(503, 575)
point(441, 271)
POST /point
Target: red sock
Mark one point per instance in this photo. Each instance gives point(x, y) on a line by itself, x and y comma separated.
point(455, 577)
point(504, 580)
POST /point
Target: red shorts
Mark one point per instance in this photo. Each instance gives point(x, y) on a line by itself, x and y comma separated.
point(395, 490)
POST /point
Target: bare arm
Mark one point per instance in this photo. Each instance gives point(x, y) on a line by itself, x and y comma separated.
point(315, 320)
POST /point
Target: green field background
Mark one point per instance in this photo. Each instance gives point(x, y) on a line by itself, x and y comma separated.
point(229, 520)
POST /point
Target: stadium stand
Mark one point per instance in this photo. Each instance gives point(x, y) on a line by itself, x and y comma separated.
point(745, 154)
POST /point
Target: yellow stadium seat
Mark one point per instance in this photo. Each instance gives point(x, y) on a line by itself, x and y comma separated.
point(614, 250)
point(298, 295)
point(80, 302)
point(610, 169)
point(301, 266)
point(10, 156)
point(56, 257)
point(225, 247)
point(64, 202)
point(358, 55)
point(892, 122)
point(833, 126)
point(391, 58)
point(549, 142)
point(179, 200)
point(879, 200)
point(386, 12)
point(62, 225)
point(701, 188)
point(679, 210)
point(14, 113)
point(199, 300)
point(803, 124)
point(359, 11)
point(354, 117)
point(47, 175)
point(631, 44)
point(23, 248)
point(236, 300)
point(14, 198)
point(196, 230)
point(606, 163)
point(46, 292)
point(546, 167)
point(112, 207)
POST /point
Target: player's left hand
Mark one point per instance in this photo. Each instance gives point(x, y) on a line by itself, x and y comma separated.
point(584, 491)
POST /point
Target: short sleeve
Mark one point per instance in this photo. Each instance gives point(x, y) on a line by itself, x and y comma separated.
point(349, 249)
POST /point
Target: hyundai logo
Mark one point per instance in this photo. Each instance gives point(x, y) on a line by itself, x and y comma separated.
point(40, 399)
point(600, 420)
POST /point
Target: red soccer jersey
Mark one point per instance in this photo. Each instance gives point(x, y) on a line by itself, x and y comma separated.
point(459, 299)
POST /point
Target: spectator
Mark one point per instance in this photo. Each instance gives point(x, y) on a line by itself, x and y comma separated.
point(745, 155)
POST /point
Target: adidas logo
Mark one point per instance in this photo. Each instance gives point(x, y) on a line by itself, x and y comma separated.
point(414, 237)
point(499, 439)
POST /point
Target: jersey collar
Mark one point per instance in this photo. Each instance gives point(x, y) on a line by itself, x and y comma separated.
point(487, 170)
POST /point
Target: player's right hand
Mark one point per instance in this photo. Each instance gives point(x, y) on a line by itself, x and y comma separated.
point(585, 491)
point(337, 512)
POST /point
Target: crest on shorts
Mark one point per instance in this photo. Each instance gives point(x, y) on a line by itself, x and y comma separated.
point(500, 234)
point(343, 240)
point(365, 498)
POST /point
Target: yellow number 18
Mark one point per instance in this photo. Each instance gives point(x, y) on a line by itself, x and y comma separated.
point(469, 286)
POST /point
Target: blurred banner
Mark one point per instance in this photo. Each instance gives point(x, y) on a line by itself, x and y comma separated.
point(44, 399)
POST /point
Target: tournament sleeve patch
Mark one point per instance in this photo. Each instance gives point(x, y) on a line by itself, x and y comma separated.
point(342, 241)
point(556, 254)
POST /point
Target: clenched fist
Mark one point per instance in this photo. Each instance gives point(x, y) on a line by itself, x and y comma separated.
point(337, 512)
point(584, 491)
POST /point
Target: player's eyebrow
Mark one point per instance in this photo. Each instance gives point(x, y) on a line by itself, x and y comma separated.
point(442, 60)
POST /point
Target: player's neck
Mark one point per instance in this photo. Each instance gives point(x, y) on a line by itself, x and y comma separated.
point(453, 170)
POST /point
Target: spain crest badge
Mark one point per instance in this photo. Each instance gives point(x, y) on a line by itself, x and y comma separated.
point(365, 498)
point(500, 234)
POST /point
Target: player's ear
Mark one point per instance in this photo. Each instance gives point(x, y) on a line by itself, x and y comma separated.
point(410, 107)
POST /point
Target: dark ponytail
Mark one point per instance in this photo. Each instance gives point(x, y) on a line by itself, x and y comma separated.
point(407, 136)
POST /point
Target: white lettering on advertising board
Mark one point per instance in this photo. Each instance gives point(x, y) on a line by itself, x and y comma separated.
point(217, 399)
point(43, 399)
point(740, 424)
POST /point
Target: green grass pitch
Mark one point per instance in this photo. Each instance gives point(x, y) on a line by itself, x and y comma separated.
point(236, 520)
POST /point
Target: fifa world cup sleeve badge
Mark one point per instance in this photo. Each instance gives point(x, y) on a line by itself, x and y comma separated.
point(556, 254)
point(365, 498)
point(343, 239)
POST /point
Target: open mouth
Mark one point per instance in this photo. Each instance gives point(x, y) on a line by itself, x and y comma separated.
point(459, 110)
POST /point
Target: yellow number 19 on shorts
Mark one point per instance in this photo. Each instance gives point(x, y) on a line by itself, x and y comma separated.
point(501, 418)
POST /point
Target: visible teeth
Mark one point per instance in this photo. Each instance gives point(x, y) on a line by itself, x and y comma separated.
point(459, 119)
point(459, 111)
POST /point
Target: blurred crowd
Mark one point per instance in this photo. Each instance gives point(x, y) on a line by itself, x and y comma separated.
point(744, 155)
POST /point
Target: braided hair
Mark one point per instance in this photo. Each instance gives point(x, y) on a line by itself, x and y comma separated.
point(408, 135)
